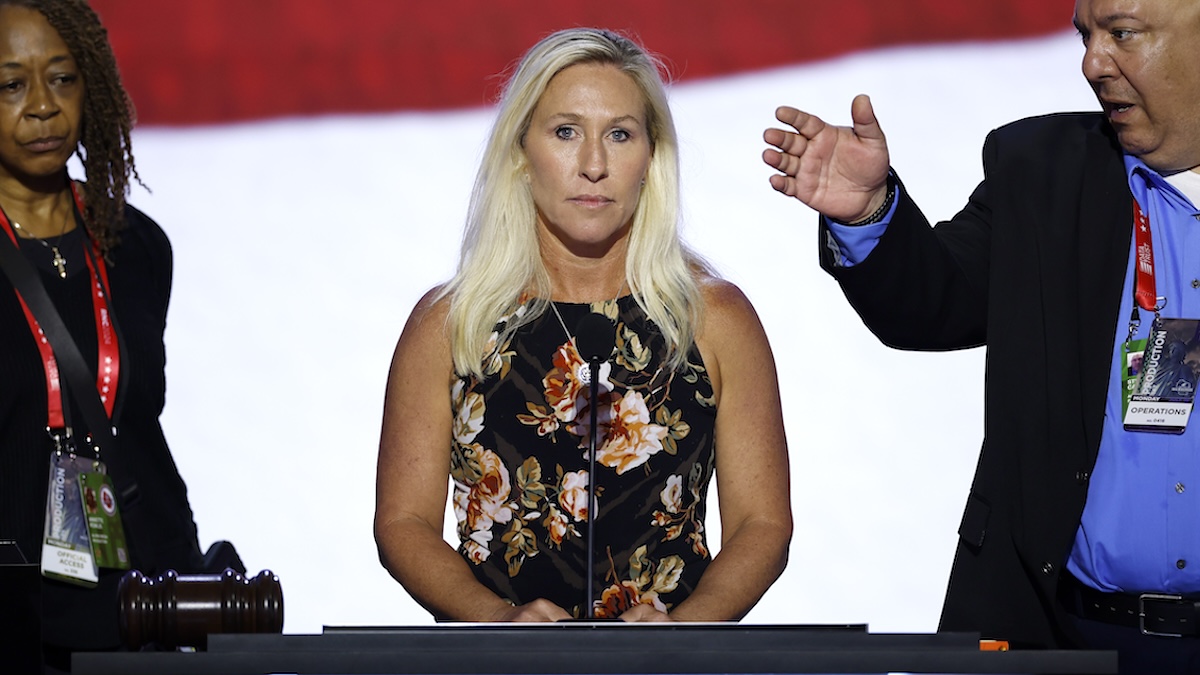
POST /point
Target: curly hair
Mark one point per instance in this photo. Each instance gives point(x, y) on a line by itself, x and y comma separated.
point(108, 115)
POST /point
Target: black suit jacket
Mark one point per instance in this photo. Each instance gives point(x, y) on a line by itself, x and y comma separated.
point(1032, 267)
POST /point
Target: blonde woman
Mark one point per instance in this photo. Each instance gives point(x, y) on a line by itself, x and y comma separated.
point(574, 212)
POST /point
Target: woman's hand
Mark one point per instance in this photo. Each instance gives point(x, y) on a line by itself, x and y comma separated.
point(536, 611)
point(645, 613)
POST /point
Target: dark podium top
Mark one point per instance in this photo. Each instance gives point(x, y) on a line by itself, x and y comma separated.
point(597, 648)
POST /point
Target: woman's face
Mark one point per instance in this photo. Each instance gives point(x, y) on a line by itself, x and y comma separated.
point(41, 97)
point(588, 150)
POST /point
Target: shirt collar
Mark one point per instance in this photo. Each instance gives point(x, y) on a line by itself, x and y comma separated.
point(1134, 166)
point(1146, 183)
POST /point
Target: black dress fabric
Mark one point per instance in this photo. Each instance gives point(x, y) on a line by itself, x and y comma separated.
point(156, 515)
point(519, 466)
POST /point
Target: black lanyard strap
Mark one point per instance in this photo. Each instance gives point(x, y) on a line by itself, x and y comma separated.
point(80, 382)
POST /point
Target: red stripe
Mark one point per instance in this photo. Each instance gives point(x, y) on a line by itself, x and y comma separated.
point(222, 60)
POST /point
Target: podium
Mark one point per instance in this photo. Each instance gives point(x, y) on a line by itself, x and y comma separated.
point(593, 648)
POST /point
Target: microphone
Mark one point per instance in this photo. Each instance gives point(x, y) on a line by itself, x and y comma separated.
point(595, 337)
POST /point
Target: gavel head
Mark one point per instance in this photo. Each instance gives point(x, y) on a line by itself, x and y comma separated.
point(174, 611)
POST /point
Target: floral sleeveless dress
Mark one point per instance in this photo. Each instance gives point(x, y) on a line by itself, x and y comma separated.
point(519, 466)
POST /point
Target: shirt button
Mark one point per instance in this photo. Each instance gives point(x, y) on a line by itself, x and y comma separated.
point(1195, 283)
point(1179, 488)
point(1181, 563)
point(1048, 568)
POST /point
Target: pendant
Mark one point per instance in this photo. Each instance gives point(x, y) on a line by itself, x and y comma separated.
point(60, 263)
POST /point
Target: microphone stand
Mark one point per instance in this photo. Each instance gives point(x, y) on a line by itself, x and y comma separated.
point(594, 393)
point(594, 341)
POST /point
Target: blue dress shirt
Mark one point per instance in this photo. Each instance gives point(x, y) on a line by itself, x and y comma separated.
point(1140, 529)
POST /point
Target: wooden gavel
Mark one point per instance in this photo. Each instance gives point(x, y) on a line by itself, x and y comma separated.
point(174, 611)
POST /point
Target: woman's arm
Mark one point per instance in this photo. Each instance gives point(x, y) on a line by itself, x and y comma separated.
point(413, 473)
point(752, 463)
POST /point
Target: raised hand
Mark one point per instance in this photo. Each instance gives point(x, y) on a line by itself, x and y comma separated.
point(839, 171)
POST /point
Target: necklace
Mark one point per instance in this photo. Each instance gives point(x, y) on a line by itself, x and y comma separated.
point(59, 262)
point(584, 374)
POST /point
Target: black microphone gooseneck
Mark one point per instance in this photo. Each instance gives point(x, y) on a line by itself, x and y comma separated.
point(595, 337)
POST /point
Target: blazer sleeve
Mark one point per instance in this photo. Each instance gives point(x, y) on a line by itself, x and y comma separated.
point(923, 287)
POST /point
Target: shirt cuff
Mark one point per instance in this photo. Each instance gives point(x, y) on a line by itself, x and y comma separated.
point(851, 244)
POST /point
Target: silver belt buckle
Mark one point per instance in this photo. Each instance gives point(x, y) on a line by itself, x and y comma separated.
point(1142, 612)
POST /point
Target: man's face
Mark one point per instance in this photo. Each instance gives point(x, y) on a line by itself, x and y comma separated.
point(1142, 58)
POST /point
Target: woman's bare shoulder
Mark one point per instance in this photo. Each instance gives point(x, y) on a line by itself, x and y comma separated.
point(427, 329)
point(726, 307)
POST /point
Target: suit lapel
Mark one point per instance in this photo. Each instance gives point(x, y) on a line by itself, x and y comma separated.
point(1106, 225)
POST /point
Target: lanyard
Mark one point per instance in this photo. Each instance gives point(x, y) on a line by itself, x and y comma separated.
point(108, 352)
point(1145, 294)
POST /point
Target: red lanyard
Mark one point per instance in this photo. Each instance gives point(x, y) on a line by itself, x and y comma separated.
point(108, 355)
point(1144, 292)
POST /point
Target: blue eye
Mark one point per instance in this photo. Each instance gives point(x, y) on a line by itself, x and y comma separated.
point(565, 133)
point(620, 135)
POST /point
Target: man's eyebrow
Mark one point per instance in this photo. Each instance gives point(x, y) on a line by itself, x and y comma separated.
point(1116, 16)
point(1105, 20)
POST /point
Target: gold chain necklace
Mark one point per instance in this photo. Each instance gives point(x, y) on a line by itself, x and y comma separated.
point(584, 374)
point(59, 262)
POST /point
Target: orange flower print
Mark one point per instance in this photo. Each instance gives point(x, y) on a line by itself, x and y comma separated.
point(646, 583)
point(539, 417)
point(573, 495)
point(558, 526)
point(565, 391)
point(481, 503)
point(476, 546)
point(618, 598)
point(672, 494)
point(676, 517)
point(631, 438)
point(468, 418)
point(496, 359)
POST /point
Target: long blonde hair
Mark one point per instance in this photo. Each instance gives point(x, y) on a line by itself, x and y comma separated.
point(500, 260)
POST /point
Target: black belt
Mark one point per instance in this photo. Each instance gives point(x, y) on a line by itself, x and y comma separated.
point(1162, 614)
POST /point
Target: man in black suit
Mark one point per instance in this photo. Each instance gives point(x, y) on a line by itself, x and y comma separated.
point(1075, 524)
